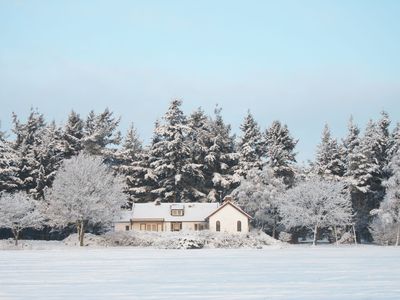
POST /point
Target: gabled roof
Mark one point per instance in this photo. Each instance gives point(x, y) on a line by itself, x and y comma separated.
point(125, 216)
point(196, 212)
point(229, 202)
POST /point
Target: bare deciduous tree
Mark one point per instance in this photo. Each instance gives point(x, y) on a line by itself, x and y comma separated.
point(19, 211)
point(314, 204)
point(84, 192)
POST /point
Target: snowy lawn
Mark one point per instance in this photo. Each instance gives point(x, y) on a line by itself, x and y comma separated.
point(293, 272)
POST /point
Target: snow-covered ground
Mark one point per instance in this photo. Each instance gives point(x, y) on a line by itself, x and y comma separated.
point(292, 272)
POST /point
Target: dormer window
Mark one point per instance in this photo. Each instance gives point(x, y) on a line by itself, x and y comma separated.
point(177, 209)
point(176, 212)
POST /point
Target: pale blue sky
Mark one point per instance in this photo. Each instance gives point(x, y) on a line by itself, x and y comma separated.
point(302, 62)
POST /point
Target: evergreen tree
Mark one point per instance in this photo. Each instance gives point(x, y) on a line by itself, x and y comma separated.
point(199, 137)
point(131, 148)
point(364, 177)
point(394, 142)
point(251, 146)
point(170, 158)
point(49, 153)
point(221, 159)
point(351, 141)
point(2, 134)
point(130, 161)
point(329, 160)
point(384, 139)
point(73, 135)
point(8, 170)
point(280, 147)
point(101, 131)
point(25, 147)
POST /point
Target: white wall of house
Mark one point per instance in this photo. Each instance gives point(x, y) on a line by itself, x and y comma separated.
point(188, 226)
point(158, 226)
point(228, 216)
point(122, 226)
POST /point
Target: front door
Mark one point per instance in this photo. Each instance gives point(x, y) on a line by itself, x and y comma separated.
point(176, 226)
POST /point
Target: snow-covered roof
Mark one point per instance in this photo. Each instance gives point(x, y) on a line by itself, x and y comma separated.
point(126, 216)
point(177, 206)
point(229, 202)
point(197, 212)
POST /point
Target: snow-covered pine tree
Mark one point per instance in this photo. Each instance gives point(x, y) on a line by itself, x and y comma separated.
point(394, 141)
point(150, 155)
point(280, 154)
point(259, 195)
point(101, 131)
point(73, 135)
point(2, 133)
point(221, 159)
point(364, 177)
point(25, 147)
point(329, 161)
point(130, 161)
point(251, 147)
point(200, 138)
point(384, 140)
point(351, 141)
point(131, 148)
point(8, 170)
point(170, 158)
point(49, 153)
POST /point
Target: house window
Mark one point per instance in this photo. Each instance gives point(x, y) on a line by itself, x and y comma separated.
point(198, 227)
point(218, 226)
point(127, 227)
point(154, 227)
point(143, 227)
point(148, 227)
point(176, 212)
point(176, 226)
point(239, 226)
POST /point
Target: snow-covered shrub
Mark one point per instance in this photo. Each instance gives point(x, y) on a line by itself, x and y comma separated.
point(382, 232)
point(254, 239)
point(346, 238)
point(188, 240)
point(90, 240)
point(285, 237)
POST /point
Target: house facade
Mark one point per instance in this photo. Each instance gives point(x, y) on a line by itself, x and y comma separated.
point(157, 216)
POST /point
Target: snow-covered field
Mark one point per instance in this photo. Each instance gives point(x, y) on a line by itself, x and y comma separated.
point(293, 272)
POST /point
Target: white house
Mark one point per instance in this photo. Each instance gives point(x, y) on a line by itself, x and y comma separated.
point(158, 216)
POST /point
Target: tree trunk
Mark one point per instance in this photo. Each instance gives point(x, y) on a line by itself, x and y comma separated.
point(81, 233)
point(315, 235)
point(334, 228)
point(398, 234)
point(274, 229)
point(354, 235)
point(16, 236)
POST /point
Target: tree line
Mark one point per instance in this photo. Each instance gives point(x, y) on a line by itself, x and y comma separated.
point(196, 157)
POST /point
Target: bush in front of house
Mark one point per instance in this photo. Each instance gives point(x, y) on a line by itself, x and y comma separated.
point(180, 240)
